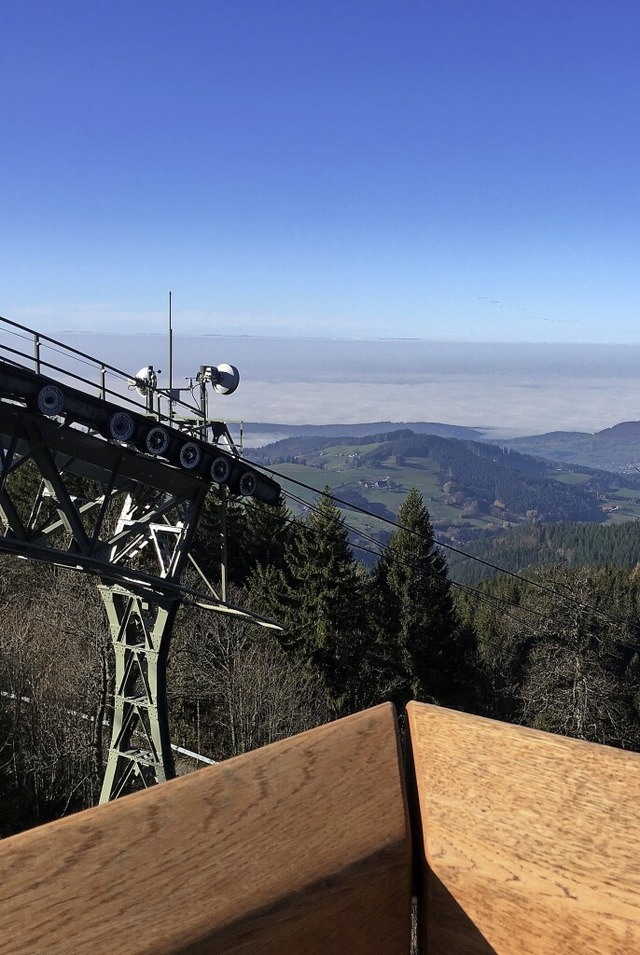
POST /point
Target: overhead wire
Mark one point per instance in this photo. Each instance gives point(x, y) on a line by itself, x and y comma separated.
point(423, 572)
point(484, 597)
point(563, 594)
point(397, 526)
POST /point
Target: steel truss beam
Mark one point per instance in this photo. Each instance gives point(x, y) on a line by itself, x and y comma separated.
point(139, 559)
point(140, 751)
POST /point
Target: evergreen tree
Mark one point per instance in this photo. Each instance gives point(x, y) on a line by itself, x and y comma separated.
point(318, 597)
point(419, 640)
point(266, 534)
point(208, 543)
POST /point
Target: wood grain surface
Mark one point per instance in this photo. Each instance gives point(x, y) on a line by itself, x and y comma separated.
point(301, 847)
point(531, 841)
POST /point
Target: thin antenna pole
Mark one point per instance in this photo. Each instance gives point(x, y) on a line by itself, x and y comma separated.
point(170, 363)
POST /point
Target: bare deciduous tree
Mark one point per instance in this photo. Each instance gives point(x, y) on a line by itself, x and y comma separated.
point(54, 679)
point(240, 687)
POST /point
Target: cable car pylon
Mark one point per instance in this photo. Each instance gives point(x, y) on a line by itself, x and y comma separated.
point(93, 481)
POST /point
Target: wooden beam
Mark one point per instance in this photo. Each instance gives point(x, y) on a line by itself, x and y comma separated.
point(531, 841)
point(300, 847)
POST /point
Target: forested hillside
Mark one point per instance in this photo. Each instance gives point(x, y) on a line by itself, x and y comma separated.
point(558, 651)
point(568, 544)
point(470, 487)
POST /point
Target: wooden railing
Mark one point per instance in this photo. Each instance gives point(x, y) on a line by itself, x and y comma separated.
point(301, 847)
point(523, 843)
point(530, 842)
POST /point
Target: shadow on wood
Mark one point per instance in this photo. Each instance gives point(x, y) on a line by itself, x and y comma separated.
point(448, 923)
point(527, 844)
point(531, 841)
point(302, 846)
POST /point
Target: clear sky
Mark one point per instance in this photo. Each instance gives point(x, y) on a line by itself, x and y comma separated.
point(464, 170)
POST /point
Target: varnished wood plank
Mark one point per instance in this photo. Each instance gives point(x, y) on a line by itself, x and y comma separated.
point(301, 847)
point(531, 841)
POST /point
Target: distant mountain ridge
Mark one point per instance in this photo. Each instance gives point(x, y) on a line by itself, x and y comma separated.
point(364, 429)
point(613, 449)
point(470, 487)
point(511, 509)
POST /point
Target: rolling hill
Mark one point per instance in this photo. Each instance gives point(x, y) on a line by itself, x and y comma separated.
point(614, 449)
point(471, 488)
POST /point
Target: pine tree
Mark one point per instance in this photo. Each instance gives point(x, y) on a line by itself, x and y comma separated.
point(207, 547)
point(318, 597)
point(419, 636)
point(266, 534)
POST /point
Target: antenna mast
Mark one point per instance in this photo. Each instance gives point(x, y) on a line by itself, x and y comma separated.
point(170, 363)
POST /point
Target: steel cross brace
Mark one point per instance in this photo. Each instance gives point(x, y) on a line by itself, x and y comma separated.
point(139, 563)
point(140, 751)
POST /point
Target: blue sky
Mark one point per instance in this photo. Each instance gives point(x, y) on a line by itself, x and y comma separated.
point(464, 170)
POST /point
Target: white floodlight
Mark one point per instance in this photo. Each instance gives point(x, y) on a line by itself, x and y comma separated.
point(146, 381)
point(224, 378)
point(227, 379)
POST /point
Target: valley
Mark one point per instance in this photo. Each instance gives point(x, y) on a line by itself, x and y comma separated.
point(478, 494)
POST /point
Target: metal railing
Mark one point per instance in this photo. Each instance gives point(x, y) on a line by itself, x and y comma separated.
point(48, 356)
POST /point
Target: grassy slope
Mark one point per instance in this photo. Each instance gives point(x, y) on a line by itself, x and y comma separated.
point(347, 465)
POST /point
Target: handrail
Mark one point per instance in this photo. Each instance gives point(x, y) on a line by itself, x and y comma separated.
point(530, 841)
point(301, 847)
point(524, 844)
point(68, 348)
point(101, 366)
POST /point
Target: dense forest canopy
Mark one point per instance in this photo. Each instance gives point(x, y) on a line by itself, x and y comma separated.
point(566, 543)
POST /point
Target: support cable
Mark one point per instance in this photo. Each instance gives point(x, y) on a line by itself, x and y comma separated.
point(567, 596)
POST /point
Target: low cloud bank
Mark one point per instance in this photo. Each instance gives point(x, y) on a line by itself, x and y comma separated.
point(516, 389)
